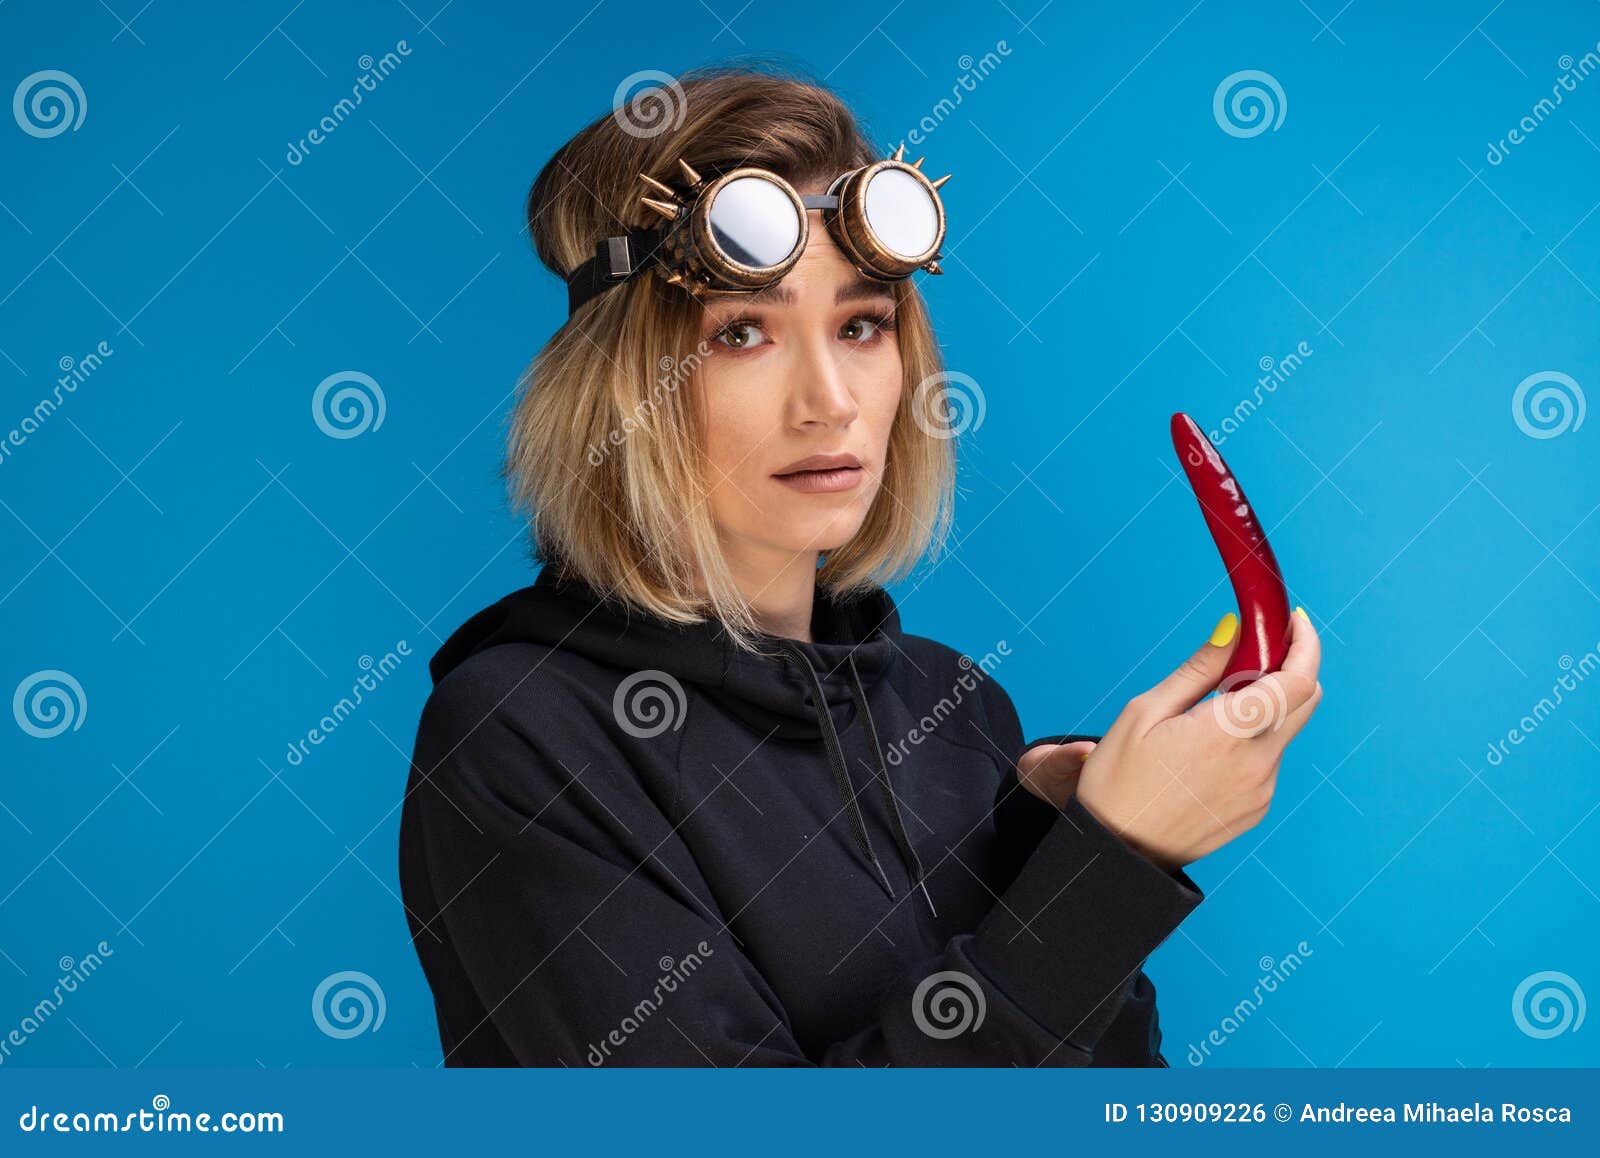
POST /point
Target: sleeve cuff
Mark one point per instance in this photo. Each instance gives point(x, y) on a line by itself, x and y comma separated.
point(1077, 924)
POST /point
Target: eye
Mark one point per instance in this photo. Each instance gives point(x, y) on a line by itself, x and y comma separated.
point(865, 328)
point(741, 334)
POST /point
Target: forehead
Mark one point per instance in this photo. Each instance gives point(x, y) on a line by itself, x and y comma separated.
point(823, 276)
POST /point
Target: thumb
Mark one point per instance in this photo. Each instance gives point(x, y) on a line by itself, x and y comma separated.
point(1198, 675)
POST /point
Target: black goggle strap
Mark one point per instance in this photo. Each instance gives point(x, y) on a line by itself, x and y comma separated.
point(624, 257)
point(616, 260)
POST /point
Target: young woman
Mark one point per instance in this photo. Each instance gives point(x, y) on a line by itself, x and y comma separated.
point(694, 796)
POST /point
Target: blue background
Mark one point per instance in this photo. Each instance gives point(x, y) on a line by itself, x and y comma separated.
point(211, 567)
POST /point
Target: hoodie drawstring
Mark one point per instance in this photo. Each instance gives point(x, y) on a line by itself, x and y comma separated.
point(846, 788)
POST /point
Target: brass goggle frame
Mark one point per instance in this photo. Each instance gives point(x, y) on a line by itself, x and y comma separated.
point(685, 250)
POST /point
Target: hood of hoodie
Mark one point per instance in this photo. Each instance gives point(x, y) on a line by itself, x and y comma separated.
point(768, 691)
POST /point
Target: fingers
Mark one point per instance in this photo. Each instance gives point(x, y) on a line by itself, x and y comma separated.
point(1051, 771)
point(1294, 684)
point(1053, 758)
point(1301, 716)
point(1305, 651)
point(1196, 676)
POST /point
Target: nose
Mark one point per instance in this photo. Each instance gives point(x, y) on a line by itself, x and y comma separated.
point(820, 393)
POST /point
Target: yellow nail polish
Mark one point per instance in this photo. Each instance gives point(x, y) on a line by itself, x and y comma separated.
point(1222, 635)
point(1301, 612)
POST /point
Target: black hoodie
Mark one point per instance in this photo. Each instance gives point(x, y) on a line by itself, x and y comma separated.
point(629, 842)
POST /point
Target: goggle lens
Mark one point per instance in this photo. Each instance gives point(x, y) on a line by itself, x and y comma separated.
point(754, 222)
point(901, 212)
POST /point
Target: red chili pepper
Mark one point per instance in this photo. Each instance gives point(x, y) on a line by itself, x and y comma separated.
point(1257, 581)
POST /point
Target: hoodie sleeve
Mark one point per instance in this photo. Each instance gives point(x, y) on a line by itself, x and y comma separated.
point(1130, 905)
point(585, 934)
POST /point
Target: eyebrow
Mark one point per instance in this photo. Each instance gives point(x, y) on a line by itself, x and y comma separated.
point(862, 288)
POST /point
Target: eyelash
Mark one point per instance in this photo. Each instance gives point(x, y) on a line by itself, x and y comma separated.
point(884, 320)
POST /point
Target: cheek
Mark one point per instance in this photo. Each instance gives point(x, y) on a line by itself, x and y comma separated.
point(737, 414)
point(880, 396)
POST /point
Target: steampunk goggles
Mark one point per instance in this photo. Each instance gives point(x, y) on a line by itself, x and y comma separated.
point(742, 231)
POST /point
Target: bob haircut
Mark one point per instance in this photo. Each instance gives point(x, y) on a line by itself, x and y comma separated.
point(604, 453)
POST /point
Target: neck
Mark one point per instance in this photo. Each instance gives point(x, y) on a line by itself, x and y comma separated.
point(780, 592)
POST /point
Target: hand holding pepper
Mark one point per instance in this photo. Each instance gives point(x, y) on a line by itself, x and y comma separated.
point(1178, 775)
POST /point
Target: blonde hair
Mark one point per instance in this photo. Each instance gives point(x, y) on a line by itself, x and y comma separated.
point(605, 444)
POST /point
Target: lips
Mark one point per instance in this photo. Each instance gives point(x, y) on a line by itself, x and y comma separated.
point(821, 462)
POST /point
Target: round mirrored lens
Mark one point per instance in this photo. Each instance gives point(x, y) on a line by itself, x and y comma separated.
point(901, 212)
point(754, 222)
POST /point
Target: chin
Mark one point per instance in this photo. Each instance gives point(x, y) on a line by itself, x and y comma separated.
point(825, 534)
